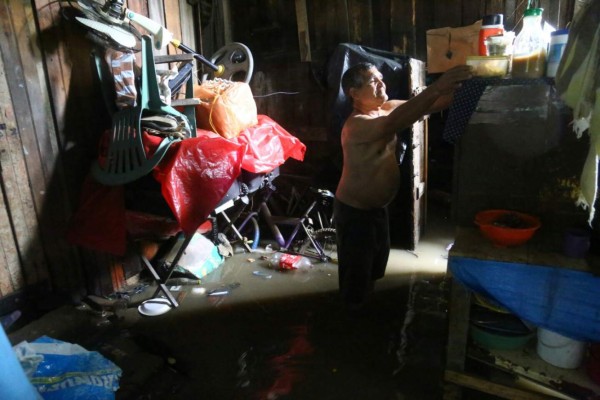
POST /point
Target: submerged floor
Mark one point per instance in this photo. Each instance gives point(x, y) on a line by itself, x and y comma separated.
point(286, 337)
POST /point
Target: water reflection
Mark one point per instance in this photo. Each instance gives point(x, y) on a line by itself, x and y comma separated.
point(394, 349)
point(272, 372)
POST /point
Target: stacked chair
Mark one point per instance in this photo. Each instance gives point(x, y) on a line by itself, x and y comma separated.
point(127, 163)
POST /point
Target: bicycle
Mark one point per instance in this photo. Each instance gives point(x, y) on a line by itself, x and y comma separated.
point(316, 222)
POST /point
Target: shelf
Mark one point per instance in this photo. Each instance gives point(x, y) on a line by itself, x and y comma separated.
point(528, 371)
point(539, 251)
point(535, 374)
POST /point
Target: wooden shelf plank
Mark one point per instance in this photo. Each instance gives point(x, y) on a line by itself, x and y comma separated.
point(485, 386)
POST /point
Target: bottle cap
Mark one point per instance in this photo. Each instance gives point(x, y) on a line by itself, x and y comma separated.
point(533, 12)
point(493, 19)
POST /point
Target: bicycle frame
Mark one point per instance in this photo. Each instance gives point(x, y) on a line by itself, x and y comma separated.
point(273, 223)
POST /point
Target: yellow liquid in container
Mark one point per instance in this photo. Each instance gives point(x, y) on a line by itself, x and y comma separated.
point(530, 65)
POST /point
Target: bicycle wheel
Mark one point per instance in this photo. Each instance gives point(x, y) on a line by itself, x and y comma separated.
point(250, 235)
point(326, 240)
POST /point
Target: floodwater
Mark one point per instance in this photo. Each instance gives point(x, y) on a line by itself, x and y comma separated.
point(287, 336)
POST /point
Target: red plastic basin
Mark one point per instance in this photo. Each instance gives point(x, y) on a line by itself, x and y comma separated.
point(506, 227)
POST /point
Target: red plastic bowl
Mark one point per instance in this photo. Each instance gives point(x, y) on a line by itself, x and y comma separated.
point(507, 228)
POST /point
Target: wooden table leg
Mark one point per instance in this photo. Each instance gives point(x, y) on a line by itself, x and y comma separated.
point(458, 331)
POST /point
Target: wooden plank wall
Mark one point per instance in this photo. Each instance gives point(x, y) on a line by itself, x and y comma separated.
point(393, 25)
point(294, 92)
point(51, 113)
point(35, 204)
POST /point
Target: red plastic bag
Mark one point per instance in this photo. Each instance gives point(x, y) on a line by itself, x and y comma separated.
point(195, 175)
point(268, 146)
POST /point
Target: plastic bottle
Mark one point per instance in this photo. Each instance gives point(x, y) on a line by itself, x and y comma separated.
point(491, 25)
point(529, 59)
point(280, 260)
point(558, 42)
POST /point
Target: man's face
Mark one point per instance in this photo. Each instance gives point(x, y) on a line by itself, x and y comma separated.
point(373, 88)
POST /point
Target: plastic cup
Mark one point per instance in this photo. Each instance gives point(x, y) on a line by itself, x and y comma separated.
point(576, 243)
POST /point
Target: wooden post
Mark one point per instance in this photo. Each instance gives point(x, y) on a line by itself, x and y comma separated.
point(303, 31)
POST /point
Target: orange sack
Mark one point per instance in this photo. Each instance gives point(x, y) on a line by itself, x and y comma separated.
point(226, 107)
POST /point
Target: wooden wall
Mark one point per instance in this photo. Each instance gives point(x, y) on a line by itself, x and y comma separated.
point(292, 41)
point(35, 203)
point(51, 112)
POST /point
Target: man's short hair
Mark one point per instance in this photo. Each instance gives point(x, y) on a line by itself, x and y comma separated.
point(353, 77)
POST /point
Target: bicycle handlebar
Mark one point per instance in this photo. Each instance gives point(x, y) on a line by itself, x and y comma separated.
point(199, 57)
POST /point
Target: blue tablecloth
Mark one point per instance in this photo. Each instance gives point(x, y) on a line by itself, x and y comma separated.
point(562, 300)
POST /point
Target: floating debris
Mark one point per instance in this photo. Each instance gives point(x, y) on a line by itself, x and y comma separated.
point(262, 274)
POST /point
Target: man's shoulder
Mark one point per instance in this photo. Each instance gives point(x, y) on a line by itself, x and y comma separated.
point(392, 104)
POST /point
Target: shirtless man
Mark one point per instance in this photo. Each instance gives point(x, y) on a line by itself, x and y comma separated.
point(370, 175)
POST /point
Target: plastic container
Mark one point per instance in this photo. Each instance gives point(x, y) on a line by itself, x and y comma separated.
point(559, 350)
point(491, 25)
point(493, 339)
point(489, 66)
point(287, 261)
point(500, 45)
point(505, 228)
point(576, 243)
point(529, 58)
point(558, 42)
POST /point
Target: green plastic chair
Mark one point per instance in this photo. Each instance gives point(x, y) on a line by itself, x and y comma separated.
point(126, 159)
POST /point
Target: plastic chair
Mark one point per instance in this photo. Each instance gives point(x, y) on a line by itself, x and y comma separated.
point(126, 159)
point(127, 162)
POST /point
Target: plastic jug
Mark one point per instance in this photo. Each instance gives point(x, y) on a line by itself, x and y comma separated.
point(491, 25)
point(529, 59)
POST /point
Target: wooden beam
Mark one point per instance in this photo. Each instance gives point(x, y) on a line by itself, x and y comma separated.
point(360, 16)
point(485, 386)
point(447, 13)
point(402, 27)
point(156, 12)
point(303, 31)
point(509, 14)
point(26, 192)
point(458, 325)
point(227, 33)
point(173, 22)
point(186, 11)
point(53, 44)
point(8, 247)
point(494, 7)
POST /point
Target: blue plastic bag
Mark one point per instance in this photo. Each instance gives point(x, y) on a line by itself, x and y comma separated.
point(68, 371)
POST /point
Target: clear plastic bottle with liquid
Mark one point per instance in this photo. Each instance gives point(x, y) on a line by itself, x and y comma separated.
point(529, 58)
point(287, 261)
